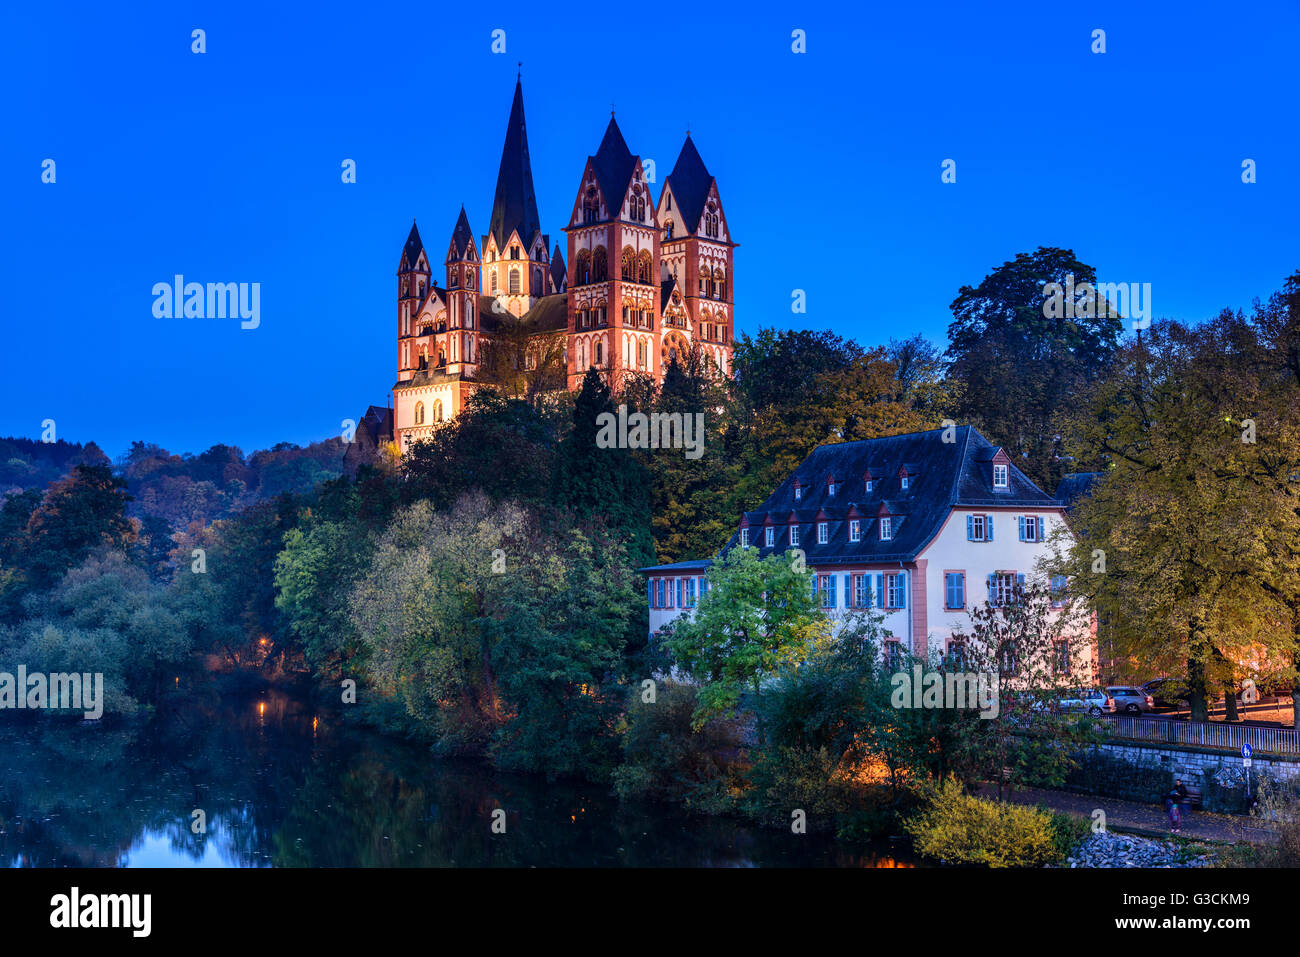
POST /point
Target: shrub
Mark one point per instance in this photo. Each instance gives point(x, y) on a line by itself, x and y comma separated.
point(962, 829)
point(665, 759)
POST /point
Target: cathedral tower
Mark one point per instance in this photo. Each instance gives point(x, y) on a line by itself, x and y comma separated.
point(613, 282)
point(463, 333)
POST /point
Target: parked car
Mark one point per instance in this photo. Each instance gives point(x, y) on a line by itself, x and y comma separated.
point(1166, 692)
point(1131, 700)
point(1092, 700)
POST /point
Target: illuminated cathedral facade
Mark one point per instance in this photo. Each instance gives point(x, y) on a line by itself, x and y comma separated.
point(640, 283)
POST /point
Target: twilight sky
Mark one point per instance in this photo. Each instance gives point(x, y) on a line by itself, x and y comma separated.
point(225, 167)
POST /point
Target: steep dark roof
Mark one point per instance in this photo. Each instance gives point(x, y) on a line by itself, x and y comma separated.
point(462, 236)
point(559, 274)
point(411, 251)
point(515, 206)
point(666, 288)
point(690, 180)
point(1075, 486)
point(613, 164)
point(945, 475)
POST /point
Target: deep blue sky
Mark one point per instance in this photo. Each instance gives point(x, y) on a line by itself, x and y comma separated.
point(226, 167)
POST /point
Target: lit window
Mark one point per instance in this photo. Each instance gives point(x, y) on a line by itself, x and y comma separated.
point(855, 530)
point(886, 528)
point(798, 492)
point(999, 476)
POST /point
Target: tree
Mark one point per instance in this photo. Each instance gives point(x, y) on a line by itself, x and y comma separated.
point(1015, 366)
point(756, 620)
point(83, 511)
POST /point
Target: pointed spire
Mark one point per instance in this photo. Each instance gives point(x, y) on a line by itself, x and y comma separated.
point(559, 274)
point(515, 206)
point(614, 163)
point(411, 251)
point(690, 180)
point(462, 237)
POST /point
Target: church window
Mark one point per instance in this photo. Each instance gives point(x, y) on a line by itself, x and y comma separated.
point(419, 413)
point(628, 260)
point(514, 252)
point(582, 271)
point(492, 276)
point(437, 411)
point(600, 353)
point(668, 229)
point(599, 265)
point(516, 286)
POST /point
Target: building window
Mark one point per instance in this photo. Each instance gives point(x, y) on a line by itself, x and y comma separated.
point(437, 411)
point(957, 653)
point(894, 654)
point(600, 353)
point(659, 591)
point(1002, 588)
point(869, 485)
point(979, 528)
point(770, 537)
point(906, 480)
point(830, 489)
point(1060, 585)
point(690, 593)
point(798, 491)
point(1061, 657)
point(823, 534)
point(744, 538)
point(886, 528)
point(860, 596)
point(894, 587)
point(1031, 528)
point(826, 584)
point(516, 285)
point(794, 534)
point(1000, 476)
point(954, 590)
point(855, 530)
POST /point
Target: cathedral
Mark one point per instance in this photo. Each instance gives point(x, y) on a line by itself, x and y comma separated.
point(639, 283)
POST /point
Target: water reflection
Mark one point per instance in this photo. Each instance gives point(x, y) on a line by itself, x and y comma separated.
point(284, 786)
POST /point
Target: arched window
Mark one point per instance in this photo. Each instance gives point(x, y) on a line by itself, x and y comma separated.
point(582, 269)
point(419, 413)
point(628, 263)
point(492, 276)
point(516, 283)
point(599, 265)
point(668, 229)
point(644, 267)
point(590, 207)
point(719, 284)
point(437, 411)
point(600, 352)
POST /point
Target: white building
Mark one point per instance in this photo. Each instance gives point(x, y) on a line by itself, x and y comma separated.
point(920, 528)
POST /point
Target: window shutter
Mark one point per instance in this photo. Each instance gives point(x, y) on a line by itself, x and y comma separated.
point(902, 590)
point(970, 528)
point(1022, 527)
point(651, 586)
point(988, 528)
point(848, 590)
point(679, 593)
point(1020, 586)
point(704, 585)
point(992, 592)
point(880, 591)
point(814, 585)
point(830, 589)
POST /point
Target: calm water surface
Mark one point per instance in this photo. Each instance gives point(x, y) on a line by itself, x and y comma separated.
point(284, 787)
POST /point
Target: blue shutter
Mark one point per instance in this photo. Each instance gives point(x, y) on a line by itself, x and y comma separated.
point(679, 593)
point(1020, 587)
point(992, 594)
point(830, 588)
point(848, 590)
point(961, 590)
point(1022, 527)
point(704, 585)
point(902, 590)
point(650, 585)
point(880, 591)
point(970, 528)
point(988, 528)
point(814, 585)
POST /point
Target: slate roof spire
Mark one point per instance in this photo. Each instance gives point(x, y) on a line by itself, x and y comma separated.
point(411, 251)
point(515, 206)
point(462, 237)
point(690, 180)
point(613, 163)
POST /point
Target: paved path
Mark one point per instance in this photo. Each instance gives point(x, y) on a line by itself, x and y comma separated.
point(1135, 816)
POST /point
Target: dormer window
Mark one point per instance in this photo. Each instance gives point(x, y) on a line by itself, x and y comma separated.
point(770, 537)
point(886, 528)
point(1000, 476)
point(744, 538)
point(830, 488)
point(869, 485)
point(905, 482)
point(794, 534)
point(855, 530)
point(823, 534)
point(798, 491)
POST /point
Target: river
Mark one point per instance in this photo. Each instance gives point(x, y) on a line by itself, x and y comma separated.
point(279, 785)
